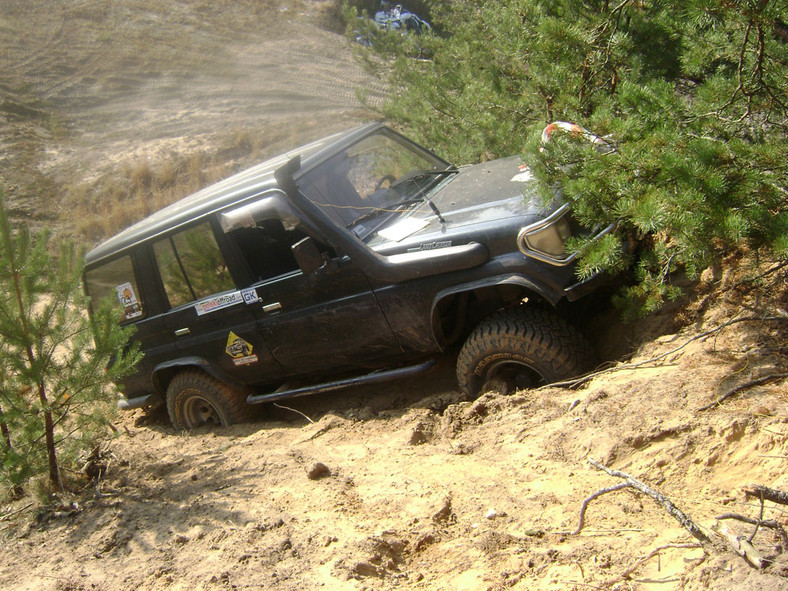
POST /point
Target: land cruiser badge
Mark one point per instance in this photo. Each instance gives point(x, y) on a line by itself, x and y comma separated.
point(240, 350)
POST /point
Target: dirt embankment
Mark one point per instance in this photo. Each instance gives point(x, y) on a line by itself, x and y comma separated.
point(409, 486)
point(400, 486)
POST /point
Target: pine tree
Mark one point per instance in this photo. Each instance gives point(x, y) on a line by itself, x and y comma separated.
point(693, 93)
point(56, 362)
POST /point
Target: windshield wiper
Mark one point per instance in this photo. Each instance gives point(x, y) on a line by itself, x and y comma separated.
point(388, 209)
point(422, 191)
point(434, 209)
point(419, 196)
point(417, 174)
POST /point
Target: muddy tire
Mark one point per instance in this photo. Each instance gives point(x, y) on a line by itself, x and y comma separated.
point(195, 399)
point(521, 348)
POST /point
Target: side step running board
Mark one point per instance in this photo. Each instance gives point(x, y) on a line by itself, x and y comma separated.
point(371, 378)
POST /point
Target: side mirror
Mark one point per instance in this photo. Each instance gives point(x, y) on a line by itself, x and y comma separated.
point(307, 255)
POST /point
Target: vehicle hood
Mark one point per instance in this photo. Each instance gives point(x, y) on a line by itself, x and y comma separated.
point(478, 194)
point(488, 191)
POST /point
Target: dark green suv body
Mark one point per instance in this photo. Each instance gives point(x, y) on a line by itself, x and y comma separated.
point(355, 259)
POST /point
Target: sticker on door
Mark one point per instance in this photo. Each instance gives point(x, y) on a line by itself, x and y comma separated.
point(240, 350)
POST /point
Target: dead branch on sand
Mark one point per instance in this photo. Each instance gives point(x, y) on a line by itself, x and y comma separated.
point(767, 523)
point(741, 545)
point(666, 503)
point(751, 384)
point(575, 382)
point(655, 552)
point(767, 494)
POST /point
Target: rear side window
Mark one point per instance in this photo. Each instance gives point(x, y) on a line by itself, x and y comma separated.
point(191, 265)
point(116, 280)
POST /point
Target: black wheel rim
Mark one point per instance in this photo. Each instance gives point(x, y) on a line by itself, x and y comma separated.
point(515, 374)
point(199, 411)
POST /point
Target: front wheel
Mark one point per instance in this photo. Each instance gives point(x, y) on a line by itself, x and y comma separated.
point(521, 348)
point(195, 399)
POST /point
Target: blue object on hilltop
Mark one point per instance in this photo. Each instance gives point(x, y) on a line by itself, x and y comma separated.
point(397, 18)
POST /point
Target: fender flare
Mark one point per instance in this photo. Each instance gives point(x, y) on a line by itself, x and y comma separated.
point(541, 289)
point(173, 365)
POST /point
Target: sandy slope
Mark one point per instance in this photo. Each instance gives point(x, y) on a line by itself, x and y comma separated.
point(423, 490)
point(420, 489)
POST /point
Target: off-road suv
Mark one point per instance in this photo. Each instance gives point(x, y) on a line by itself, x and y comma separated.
point(355, 259)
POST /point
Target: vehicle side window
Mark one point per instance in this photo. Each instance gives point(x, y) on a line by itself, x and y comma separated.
point(266, 248)
point(191, 265)
point(115, 280)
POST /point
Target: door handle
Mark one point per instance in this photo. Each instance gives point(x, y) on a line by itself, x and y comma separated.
point(272, 307)
point(182, 332)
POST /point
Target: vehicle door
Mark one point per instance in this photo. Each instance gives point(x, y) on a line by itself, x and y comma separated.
point(207, 315)
point(321, 322)
point(127, 281)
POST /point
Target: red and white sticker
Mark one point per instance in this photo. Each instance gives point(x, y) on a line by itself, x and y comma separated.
point(218, 302)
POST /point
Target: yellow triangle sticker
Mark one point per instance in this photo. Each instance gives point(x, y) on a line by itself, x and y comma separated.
point(238, 348)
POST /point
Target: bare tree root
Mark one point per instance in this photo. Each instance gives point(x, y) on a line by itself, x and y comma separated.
point(768, 494)
point(774, 269)
point(751, 384)
point(767, 523)
point(575, 382)
point(666, 503)
point(628, 573)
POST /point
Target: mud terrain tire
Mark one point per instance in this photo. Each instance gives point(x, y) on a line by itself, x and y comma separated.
point(195, 399)
point(521, 348)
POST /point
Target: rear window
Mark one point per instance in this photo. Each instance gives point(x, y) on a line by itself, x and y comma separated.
point(116, 281)
point(191, 265)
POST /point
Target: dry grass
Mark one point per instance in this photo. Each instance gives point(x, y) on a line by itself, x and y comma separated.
point(102, 138)
point(117, 199)
point(95, 210)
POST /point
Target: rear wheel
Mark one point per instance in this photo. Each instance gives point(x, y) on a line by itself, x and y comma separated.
point(195, 399)
point(521, 348)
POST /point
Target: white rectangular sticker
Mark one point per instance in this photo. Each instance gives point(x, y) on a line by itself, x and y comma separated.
point(218, 303)
point(523, 177)
point(250, 296)
point(128, 299)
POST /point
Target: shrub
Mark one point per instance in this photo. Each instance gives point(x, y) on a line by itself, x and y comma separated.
point(692, 93)
point(56, 362)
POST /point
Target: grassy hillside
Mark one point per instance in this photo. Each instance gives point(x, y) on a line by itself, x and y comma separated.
point(111, 110)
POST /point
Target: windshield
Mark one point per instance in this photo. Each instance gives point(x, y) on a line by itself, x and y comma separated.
point(375, 180)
